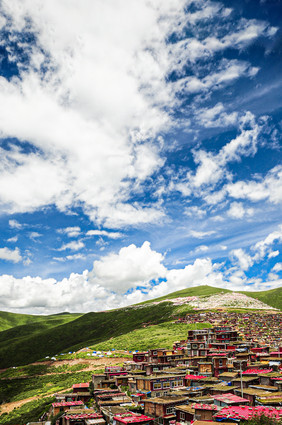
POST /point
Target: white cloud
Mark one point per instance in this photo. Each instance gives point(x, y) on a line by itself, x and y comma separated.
point(263, 247)
point(201, 248)
point(200, 234)
point(111, 235)
point(194, 212)
point(132, 275)
point(215, 117)
point(73, 246)
point(13, 239)
point(10, 255)
point(71, 232)
point(14, 224)
point(269, 188)
point(244, 260)
point(73, 257)
point(228, 71)
point(237, 210)
point(277, 267)
point(34, 235)
point(130, 268)
point(92, 117)
point(273, 254)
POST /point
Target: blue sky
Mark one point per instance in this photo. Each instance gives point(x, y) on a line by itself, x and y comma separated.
point(140, 150)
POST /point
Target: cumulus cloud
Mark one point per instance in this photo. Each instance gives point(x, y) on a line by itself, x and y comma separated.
point(237, 210)
point(13, 239)
point(111, 235)
point(244, 260)
point(131, 275)
point(14, 224)
point(268, 188)
point(71, 232)
point(201, 234)
point(10, 255)
point(130, 268)
point(73, 246)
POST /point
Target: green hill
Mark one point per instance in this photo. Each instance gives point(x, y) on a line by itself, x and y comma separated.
point(273, 297)
point(39, 336)
point(197, 291)
point(10, 320)
point(28, 343)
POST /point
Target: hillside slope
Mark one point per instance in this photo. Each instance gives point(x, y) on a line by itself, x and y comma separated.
point(273, 297)
point(60, 333)
point(27, 343)
point(198, 291)
point(11, 320)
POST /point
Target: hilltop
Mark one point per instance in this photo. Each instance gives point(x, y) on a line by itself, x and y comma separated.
point(34, 337)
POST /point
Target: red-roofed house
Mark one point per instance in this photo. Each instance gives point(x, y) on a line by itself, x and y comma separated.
point(229, 399)
point(132, 418)
point(65, 405)
point(247, 412)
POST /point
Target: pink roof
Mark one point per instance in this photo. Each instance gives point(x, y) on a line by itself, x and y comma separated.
point(68, 403)
point(201, 406)
point(194, 377)
point(83, 416)
point(82, 385)
point(230, 398)
point(256, 371)
point(247, 412)
point(132, 418)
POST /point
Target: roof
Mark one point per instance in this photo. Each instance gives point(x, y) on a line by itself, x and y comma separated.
point(81, 385)
point(130, 418)
point(256, 371)
point(165, 400)
point(76, 415)
point(230, 398)
point(194, 377)
point(185, 408)
point(202, 406)
point(247, 412)
point(68, 403)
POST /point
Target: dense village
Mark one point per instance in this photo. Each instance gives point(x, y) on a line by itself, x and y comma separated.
point(221, 375)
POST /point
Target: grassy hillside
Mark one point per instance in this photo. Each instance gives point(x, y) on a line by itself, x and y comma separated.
point(27, 343)
point(10, 320)
point(162, 335)
point(41, 336)
point(197, 291)
point(272, 297)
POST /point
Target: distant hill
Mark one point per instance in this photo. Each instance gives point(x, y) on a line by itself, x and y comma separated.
point(273, 297)
point(198, 291)
point(35, 337)
point(10, 320)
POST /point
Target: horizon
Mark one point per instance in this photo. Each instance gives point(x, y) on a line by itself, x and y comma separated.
point(140, 151)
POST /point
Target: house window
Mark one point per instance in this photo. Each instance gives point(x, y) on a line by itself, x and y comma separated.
point(220, 362)
point(170, 410)
point(154, 353)
point(194, 346)
point(182, 416)
point(166, 384)
point(157, 386)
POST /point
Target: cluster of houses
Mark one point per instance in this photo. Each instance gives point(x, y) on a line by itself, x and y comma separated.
point(213, 377)
point(264, 328)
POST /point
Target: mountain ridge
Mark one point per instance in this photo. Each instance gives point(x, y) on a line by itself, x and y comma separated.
point(35, 340)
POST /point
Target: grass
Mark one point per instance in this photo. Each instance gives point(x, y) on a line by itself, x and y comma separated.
point(40, 369)
point(197, 291)
point(29, 343)
point(11, 320)
point(162, 336)
point(272, 297)
point(22, 388)
point(28, 412)
point(55, 334)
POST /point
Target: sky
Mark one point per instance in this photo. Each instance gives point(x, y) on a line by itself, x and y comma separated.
point(140, 150)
